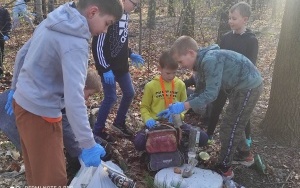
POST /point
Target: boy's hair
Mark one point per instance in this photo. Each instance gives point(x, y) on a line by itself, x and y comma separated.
point(93, 80)
point(182, 45)
point(166, 61)
point(243, 7)
point(110, 7)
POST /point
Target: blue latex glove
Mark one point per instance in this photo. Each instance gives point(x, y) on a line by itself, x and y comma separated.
point(137, 60)
point(166, 114)
point(176, 108)
point(109, 77)
point(9, 106)
point(91, 156)
point(150, 123)
point(5, 38)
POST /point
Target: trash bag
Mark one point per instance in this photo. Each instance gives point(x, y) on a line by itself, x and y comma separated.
point(91, 177)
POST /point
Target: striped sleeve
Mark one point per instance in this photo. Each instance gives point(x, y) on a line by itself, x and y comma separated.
point(100, 54)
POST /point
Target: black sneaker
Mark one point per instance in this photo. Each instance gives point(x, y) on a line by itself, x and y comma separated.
point(104, 135)
point(122, 129)
point(243, 158)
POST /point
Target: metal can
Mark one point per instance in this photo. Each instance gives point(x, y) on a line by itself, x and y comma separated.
point(120, 180)
point(177, 120)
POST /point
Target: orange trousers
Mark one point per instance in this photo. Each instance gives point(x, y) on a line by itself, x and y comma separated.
point(42, 149)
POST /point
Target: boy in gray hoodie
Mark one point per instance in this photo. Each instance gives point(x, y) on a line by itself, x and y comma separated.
point(228, 71)
point(49, 75)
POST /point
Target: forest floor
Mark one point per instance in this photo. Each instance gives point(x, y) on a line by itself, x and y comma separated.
point(283, 163)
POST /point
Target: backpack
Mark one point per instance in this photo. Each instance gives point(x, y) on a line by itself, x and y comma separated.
point(162, 147)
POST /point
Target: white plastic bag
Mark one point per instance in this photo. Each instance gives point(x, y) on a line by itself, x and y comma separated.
point(94, 177)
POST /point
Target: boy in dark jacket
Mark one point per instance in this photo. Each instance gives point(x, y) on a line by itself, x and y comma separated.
point(240, 40)
point(111, 54)
point(5, 27)
point(228, 71)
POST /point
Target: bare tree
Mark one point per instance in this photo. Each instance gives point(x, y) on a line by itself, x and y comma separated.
point(283, 114)
point(187, 18)
point(38, 11)
point(151, 14)
point(223, 25)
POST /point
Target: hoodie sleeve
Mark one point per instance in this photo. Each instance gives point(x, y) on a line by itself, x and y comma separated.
point(19, 63)
point(146, 103)
point(74, 67)
point(252, 50)
point(7, 23)
point(98, 48)
point(213, 72)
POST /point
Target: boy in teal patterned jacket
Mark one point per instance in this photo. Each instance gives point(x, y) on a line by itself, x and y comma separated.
point(236, 75)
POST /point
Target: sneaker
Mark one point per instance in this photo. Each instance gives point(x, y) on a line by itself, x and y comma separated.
point(249, 141)
point(104, 135)
point(226, 173)
point(245, 159)
point(122, 129)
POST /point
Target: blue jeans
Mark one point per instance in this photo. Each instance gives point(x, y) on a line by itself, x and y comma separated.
point(110, 97)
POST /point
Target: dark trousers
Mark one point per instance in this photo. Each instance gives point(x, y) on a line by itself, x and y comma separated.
point(232, 130)
point(2, 51)
point(217, 107)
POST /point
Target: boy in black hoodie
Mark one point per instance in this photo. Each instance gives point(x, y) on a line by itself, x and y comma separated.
point(111, 55)
point(241, 40)
point(5, 27)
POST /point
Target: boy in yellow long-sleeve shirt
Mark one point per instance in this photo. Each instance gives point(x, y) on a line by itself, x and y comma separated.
point(163, 90)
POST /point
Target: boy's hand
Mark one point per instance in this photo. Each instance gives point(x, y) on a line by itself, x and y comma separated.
point(137, 60)
point(91, 156)
point(5, 38)
point(166, 114)
point(109, 77)
point(177, 108)
point(150, 123)
point(8, 106)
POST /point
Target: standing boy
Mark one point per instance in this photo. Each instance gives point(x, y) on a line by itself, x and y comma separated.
point(240, 40)
point(50, 74)
point(5, 27)
point(111, 54)
point(20, 10)
point(222, 70)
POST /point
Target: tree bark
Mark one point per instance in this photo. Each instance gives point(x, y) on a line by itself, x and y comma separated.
point(186, 21)
point(50, 5)
point(38, 11)
point(151, 14)
point(171, 10)
point(282, 120)
point(223, 24)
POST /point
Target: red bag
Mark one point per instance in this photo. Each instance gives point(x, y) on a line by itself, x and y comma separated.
point(162, 139)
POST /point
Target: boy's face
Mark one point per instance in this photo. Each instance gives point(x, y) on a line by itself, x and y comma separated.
point(98, 22)
point(130, 5)
point(236, 21)
point(167, 74)
point(187, 60)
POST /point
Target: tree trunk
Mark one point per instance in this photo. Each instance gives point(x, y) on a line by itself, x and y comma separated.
point(186, 21)
point(171, 10)
point(223, 25)
point(151, 14)
point(38, 9)
point(50, 5)
point(281, 122)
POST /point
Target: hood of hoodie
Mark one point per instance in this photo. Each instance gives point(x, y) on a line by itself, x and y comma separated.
point(203, 51)
point(66, 19)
